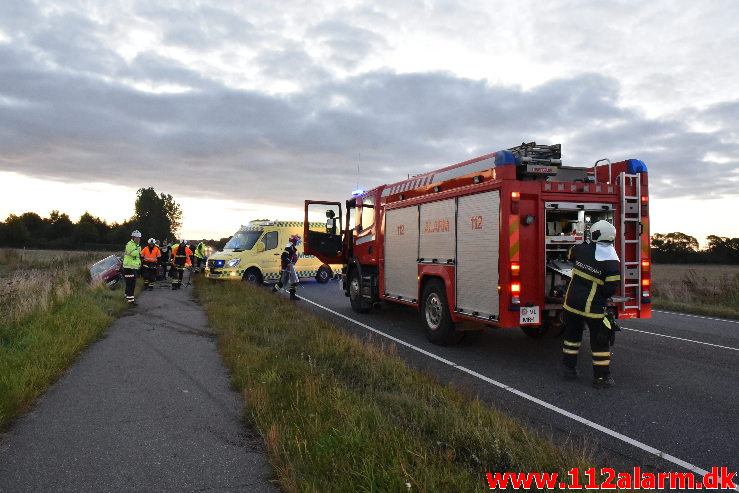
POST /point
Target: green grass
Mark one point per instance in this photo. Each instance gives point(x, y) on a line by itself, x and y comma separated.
point(49, 315)
point(702, 289)
point(339, 415)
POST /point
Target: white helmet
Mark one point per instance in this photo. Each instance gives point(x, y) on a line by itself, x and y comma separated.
point(603, 231)
point(136, 234)
point(151, 241)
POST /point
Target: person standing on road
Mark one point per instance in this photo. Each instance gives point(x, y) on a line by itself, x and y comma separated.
point(172, 270)
point(288, 260)
point(181, 259)
point(595, 278)
point(131, 265)
point(199, 256)
point(164, 251)
point(150, 256)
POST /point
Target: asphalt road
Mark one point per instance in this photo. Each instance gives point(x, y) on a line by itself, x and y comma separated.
point(675, 396)
point(147, 408)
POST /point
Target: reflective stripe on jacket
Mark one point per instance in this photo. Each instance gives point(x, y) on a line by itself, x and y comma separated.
point(132, 256)
point(178, 254)
point(150, 254)
point(593, 282)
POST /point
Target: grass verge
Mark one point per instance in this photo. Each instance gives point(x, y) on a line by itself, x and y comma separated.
point(711, 290)
point(339, 415)
point(49, 315)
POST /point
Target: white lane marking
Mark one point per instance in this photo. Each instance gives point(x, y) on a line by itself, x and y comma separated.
point(563, 412)
point(698, 316)
point(681, 339)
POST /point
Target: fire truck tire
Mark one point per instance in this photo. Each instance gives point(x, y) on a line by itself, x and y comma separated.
point(535, 331)
point(435, 315)
point(359, 305)
point(324, 274)
point(254, 276)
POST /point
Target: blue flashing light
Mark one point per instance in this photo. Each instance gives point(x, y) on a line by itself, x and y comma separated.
point(636, 166)
point(503, 158)
point(357, 192)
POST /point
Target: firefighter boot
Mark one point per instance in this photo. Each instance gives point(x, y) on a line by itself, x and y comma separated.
point(293, 296)
point(605, 382)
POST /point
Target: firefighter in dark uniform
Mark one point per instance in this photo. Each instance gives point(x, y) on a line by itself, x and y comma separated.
point(181, 259)
point(165, 251)
point(595, 278)
point(289, 258)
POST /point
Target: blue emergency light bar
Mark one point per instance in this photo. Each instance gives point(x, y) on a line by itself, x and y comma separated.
point(357, 192)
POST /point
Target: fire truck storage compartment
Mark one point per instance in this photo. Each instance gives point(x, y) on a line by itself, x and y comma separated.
point(567, 224)
point(437, 232)
point(478, 229)
point(401, 253)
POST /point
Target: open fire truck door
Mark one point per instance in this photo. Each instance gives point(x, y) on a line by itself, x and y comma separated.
point(328, 240)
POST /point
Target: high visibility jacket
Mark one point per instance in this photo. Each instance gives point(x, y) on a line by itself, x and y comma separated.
point(132, 256)
point(150, 255)
point(200, 250)
point(179, 252)
point(593, 282)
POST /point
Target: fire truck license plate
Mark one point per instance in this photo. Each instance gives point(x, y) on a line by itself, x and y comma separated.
point(529, 315)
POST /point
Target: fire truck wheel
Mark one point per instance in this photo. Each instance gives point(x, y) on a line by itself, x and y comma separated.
point(535, 331)
point(323, 274)
point(435, 315)
point(359, 305)
point(253, 276)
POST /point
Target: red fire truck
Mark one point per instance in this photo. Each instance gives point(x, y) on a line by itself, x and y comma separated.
point(485, 241)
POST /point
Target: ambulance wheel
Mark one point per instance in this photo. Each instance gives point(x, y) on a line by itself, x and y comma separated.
point(253, 276)
point(435, 315)
point(359, 305)
point(323, 275)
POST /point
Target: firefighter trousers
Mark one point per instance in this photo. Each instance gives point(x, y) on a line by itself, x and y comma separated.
point(129, 275)
point(599, 346)
point(149, 273)
point(179, 272)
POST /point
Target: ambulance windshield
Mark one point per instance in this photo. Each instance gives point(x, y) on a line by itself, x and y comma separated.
point(243, 240)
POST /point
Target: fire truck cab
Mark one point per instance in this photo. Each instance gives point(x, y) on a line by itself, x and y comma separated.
point(484, 242)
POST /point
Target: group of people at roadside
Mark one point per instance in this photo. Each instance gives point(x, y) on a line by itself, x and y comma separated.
point(154, 260)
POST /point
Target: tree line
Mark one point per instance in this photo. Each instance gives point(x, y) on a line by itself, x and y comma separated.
point(155, 215)
point(159, 216)
point(679, 248)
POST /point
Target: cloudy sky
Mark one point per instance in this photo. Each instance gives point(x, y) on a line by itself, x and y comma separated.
point(243, 109)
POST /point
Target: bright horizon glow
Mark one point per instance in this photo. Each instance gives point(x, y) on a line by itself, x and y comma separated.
point(222, 218)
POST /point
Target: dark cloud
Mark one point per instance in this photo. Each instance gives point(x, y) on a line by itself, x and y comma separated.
point(348, 45)
point(72, 109)
point(290, 62)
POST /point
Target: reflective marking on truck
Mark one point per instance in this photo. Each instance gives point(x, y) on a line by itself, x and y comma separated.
point(513, 226)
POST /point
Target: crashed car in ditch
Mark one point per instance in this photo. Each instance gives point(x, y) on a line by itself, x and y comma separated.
point(107, 271)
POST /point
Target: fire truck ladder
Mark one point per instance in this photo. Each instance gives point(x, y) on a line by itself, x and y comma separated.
point(630, 195)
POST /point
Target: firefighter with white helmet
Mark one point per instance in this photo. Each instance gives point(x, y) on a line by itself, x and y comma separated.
point(150, 261)
point(595, 278)
point(131, 265)
point(288, 260)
